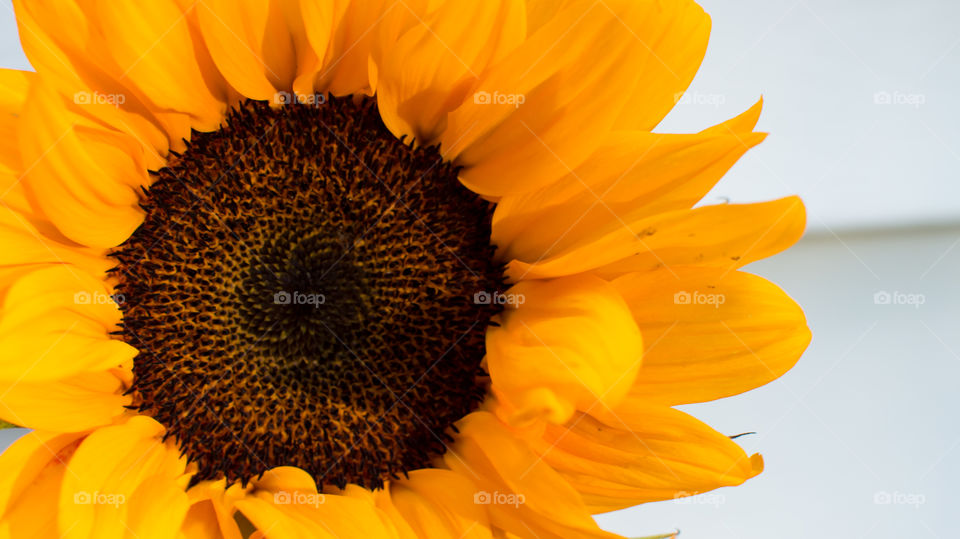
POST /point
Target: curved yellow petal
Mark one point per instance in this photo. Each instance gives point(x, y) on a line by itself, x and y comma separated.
point(25, 242)
point(14, 85)
point(440, 503)
point(28, 233)
point(153, 45)
point(564, 344)
point(633, 175)
point(77, 403)
point(715, 333)
point(640, 453)
point(250, 44)
point(429, 71)
point(78, 175)
point(318, 22)
point(523, 495)
point(30, 486)
point(108, 470)
point(55, 323)
point(675, 35)
point(384, 503)
point(65, 45)
point(286, 479)
point(287, 498)
point(201, 522)
point(306, 56)
point(726, 236)
point(157, 509)
point(275, 521)
point(211, 512)
point(745, 122)
point(359, 28)
point(525, 127)
point(299, 514)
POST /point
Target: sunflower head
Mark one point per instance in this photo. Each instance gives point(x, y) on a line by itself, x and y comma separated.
point(381, 269)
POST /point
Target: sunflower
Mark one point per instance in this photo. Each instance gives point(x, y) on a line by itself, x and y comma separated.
point(378, 269)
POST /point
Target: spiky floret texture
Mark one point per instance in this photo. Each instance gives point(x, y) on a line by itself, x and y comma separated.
point(301, 293)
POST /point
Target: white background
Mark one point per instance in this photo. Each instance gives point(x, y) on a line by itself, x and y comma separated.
point(870, 412)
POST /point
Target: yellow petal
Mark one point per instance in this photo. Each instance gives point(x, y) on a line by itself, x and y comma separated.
point(77, 403)
point(157, 509)
point(358, 28)
point(292, 500)
point(675, 34)
point(318, 22)
point(640, 453)
point(83, 183)
point(286, 479)
point(29, 240)
point(292, 514)
point(523, 495)
point(307, 58)
point(633, 175)
point(727, 236)
point(547, 106)
point(250, 43)
point(14, 85)
point(30, 487)
point(569, 344)
point(746, 122)
point(429, 71)
point(153, 45)
point(28, 233)
point(539, 12)
point(201, 522)
point(63, 42)
point(108, 470)
point(440, 503)
point(211, 512)
point(55, 323)
point(275, 521)
point(385, 504)
point(713, 333)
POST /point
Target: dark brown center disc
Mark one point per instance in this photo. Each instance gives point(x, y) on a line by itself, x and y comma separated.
point(301, 292)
